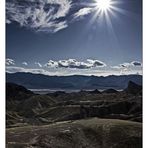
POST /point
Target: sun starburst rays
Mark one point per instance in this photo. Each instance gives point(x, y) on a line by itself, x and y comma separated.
point(104, 10)
point(103, 5)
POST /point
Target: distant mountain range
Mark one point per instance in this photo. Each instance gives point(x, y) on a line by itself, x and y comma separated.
point(39, 81)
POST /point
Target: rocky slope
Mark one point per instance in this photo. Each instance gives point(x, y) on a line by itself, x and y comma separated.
point(87, 119)
point(88, 133)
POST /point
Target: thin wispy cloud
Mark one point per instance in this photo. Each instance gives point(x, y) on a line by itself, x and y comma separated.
point(8, 21)
point(46, 16)
point(75, 64)
point(25, 63)
point(38, 64)
point(10, 62)
point(14, 69)
point(82, 12)
point(37, 14)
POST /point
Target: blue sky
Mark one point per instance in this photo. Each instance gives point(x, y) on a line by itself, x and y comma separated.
point(65, 37)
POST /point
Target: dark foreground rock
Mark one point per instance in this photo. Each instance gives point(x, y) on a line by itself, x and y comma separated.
point(17, 92)
point(133, 88)
point(90, 133)
point(24, 107)
point(86, 119)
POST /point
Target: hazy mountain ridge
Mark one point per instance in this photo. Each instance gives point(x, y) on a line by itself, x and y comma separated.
point(39, 81)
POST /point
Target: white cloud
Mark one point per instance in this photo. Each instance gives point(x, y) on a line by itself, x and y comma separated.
point(82, 12)
point(67, 71)
point(115, 67)
point(13, 69)
point(38, 64)
point(53, 26)
point(46, 15)
point(8, 21)
point(125, 65)
point(76, 67)
point(128, 68)
point(136, 63)
point(74, 64)
point(52, 64)
point(96, 63)
point(128, 65)
point(10, 62)
point(38, 15)
point(25, 63)
point(51, 72)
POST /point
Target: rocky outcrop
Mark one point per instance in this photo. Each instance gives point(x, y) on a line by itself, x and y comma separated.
point(67, 119)
point(96, 91)
point(62, 106)
point(133, 88)
point(17, 92)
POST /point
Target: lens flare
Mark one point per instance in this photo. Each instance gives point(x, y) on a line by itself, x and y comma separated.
point(103, 5)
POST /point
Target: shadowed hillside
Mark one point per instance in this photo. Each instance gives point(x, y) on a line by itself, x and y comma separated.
point(80, 119)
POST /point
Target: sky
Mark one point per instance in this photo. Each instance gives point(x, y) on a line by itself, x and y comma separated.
point(67, 37)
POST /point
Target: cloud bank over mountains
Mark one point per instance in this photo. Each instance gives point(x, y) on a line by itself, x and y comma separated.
point(128, 65)
point(74, 67)
point(45, 15)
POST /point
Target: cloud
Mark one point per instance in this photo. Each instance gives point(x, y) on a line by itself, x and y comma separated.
point(13, 69)
point(8, 21)
point(136, 63)
point(125, 65)
point(38, 64)
point(25, 63)
point(51, 72)
point(10, 62)
point(48, 16)
point(52, 64)
point(96, 63)
point(128, 65)
point(82, 12)
point(68, 71)
point(74, 64)
point(128, 68)
point(38, 15)
point(115, 67)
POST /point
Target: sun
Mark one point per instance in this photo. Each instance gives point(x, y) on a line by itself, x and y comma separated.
point(103, 5)
point(104, 11)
